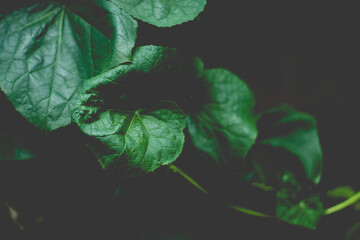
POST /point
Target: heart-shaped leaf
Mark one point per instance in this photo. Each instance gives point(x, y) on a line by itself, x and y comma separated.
point(47, 50)
point(128, 135)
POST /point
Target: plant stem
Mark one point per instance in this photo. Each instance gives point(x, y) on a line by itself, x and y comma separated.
point(249, 211)
point(203, 190)
point(351, 200)
point(188, 178)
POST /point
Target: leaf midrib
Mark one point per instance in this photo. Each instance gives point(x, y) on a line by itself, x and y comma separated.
point(147, 144)
point(61, 29)
point(136, 114)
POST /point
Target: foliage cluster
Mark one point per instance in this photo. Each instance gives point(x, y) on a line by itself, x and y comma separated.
point(116, 119)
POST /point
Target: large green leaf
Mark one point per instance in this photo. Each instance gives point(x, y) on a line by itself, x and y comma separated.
point(47, 50)
point(223, 126)
point(131, 130)
point(286, 128)
point(162, 13)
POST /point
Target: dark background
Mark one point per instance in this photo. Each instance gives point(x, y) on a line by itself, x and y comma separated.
point(302, 53)
point(305, 54)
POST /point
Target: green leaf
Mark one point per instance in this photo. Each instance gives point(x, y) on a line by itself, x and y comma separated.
point(298, 205)
point(298, 200)
point(130, 130)
point(144, 139)
point(341, 192)
point(353, 232)
point(286, 128)
point(16, 134)
point(47, 50)
point(13, 148)
point(223, 127)
point(162, 13)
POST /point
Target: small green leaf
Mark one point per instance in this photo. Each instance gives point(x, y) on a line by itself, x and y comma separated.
point(144, 139)
point(341, 192)
point(353, 233)
point(16, 134)
point(162, 13)
point(223, 127)
point(298, 205)
point(47, 50)
point(131, 130)
point(286, 128)
point(13, 149)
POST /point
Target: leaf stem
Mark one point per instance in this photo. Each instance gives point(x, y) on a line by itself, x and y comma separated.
point(249, 211)
point(351, 200)
point(203, 190)
point(188, 178)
